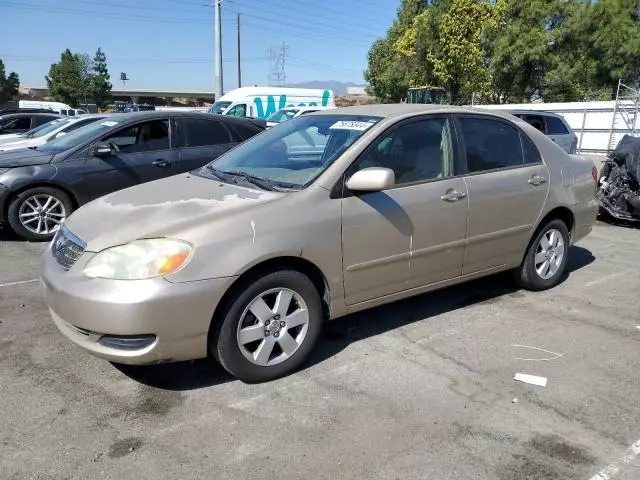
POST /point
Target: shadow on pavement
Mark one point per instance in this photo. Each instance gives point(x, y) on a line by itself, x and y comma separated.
point(339, 334)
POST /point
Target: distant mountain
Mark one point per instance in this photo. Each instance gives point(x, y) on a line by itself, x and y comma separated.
point(339, 88)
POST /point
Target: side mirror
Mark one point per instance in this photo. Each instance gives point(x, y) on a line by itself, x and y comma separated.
point(374, 179)
point(101, 150)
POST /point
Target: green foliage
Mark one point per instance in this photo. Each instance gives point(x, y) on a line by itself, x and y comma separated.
point(77, 79)
point(508, 50)
point(8, 85)
point(100, 86)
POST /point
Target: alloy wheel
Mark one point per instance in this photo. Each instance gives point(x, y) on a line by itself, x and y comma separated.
point(549, 254)
point(42, 214)
point(273, 327)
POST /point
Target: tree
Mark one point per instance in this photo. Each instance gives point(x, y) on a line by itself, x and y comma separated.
point(67, 79)
point(459, 63)
point(8, 85)
point(100, 86)
point(615, 41)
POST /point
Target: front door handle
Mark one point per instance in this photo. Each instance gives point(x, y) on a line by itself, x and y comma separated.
point(453, 196)
point(537, 180)
point(161, 163)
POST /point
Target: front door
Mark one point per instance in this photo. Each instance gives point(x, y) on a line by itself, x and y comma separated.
point(140, 153)
point(413, 234)
point(507, 185)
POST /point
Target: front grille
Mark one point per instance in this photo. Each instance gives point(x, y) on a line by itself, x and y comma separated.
point(66, 248)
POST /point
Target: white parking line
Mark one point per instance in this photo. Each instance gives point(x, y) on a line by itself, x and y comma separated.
point(11, 284)
point(614, 468)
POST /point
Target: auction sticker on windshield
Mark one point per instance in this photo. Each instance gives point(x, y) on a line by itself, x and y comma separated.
point(109, 123)
point(351, 125)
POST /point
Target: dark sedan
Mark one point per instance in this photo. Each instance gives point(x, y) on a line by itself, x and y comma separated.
point(23, 122)
point(40, 187)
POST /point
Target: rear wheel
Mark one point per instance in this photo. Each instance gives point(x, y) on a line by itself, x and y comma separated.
point(546, 258)
point(270, 328)
point(37, 213)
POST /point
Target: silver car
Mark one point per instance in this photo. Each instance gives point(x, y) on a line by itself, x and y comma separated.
point(552, 125)
point(321, 216)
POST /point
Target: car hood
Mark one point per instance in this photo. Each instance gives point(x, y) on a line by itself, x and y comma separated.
point(23, 157)
point(159, 209)
point(21, 143)
point(10, 137)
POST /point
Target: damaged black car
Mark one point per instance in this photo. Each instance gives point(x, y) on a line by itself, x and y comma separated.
point(619, 185)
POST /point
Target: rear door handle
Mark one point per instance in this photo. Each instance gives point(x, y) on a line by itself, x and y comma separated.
point(537, 180)
point(453, 196)
point(161, 163)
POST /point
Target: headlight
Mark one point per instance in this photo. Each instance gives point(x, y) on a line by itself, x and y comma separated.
point(140, 259)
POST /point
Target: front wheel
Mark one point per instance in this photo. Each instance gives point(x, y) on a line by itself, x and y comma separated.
point(37, 213)
point(546, 258)
point(270, 328)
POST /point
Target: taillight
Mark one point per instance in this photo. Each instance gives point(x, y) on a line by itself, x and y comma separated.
point(594, 174)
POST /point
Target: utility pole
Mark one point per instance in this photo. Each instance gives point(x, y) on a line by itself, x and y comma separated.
point(239, 68)
point(217, 20)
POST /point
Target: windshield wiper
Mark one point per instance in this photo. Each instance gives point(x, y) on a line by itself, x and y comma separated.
point(264, 183)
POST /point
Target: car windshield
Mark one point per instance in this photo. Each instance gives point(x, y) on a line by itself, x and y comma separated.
point(35, 130)
point(77, 137)
point(48, 128)
point(293, 154)
point(219, 107)
point(282, 116)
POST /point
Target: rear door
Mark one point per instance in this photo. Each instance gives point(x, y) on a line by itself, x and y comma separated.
point(507, 185)
point(141, 152)
point(201, 141)
point(558, 132)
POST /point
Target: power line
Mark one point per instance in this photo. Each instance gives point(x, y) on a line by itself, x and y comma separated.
point(90, 13)
point(302, 32)
point(333, 29)
point(305, 12)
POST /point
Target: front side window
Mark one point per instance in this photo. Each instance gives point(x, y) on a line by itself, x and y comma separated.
point(239, 110)
point(16, 125)
point(293, 154)
point(490, 144)
point(200, 132)
point(416, 152)
point(143, 137)
point(555, 126)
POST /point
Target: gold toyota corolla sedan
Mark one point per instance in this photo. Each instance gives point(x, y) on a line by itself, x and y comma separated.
point(318, 217)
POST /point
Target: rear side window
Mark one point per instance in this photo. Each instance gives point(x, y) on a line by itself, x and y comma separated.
point(201, 132)
point(490, 144)
point(536, 121)
point(42, 119)
point(245, 131)
point(555, 126)
point(531, 154)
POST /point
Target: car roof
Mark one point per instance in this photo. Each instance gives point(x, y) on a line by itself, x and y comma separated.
point(42, 114)
point(152, 114)
point(401, 109)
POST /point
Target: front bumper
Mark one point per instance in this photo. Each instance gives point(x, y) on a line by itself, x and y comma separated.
point(178, 315)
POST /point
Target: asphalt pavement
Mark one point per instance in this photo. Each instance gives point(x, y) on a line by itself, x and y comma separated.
point(419, 389)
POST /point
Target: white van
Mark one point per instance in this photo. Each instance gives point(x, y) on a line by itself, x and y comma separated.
point(261, 102)
point(61, 108)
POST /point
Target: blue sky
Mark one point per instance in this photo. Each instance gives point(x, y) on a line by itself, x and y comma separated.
point(169, 43)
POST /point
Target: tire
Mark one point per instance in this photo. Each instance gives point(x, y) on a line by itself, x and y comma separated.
point(246, 355)
point(24, 208)
point(531, 274)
